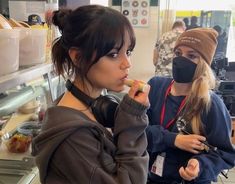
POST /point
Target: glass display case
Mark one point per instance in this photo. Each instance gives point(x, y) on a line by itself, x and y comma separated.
point(16, 89)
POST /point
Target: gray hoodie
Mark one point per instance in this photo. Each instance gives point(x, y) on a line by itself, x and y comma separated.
point(74, 149)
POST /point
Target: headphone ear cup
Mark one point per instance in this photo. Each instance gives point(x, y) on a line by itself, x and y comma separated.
point(104, 108)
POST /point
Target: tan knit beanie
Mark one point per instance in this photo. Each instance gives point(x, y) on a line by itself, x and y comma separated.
point(203, 40)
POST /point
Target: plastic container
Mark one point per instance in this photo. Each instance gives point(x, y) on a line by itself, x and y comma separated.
point(30, 128)
point(9, 51)
point(30, 107)
point(32, 46)
point(18, 143)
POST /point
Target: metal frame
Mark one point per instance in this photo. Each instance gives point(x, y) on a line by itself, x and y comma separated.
point(24, 75)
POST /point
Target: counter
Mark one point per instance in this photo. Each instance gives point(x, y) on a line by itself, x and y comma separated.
point(17, 168)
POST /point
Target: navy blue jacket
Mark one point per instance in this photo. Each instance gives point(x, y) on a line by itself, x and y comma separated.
point(217, 128)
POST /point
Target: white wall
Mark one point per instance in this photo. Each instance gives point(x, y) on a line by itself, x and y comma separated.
point(101, 2)
point(142, 65)
point(75, 3)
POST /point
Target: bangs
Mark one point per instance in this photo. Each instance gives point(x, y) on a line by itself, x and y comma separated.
point(112, 35)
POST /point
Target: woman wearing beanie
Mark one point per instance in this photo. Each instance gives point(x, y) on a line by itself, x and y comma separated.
point(190, 127)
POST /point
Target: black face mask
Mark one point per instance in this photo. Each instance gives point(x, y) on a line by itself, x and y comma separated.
point(183, 69)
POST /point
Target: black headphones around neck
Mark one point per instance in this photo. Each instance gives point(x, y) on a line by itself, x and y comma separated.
point(103, 107)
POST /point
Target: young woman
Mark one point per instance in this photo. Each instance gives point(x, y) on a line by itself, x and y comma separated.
point(190, 127)
point(74, 145)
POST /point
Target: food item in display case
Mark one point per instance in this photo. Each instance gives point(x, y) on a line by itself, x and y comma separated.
point(14, 23)
point(18, 143)
point(30, 107)
point(4, 24)
point(24, 24)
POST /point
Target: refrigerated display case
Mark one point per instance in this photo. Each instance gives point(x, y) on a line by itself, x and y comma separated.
point(16, 89)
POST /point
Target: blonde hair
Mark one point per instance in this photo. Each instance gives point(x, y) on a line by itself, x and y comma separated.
point(199, 100)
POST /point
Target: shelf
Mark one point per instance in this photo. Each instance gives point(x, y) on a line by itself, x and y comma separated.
point(24, 75)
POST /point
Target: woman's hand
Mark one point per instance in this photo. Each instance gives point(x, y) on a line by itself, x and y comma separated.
point(191, 143)
point(139, 96)
point(191, 171)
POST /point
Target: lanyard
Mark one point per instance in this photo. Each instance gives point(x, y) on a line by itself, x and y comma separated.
point(169, 123)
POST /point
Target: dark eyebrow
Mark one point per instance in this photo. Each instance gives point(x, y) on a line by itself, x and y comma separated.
point(118, 48)
point(193, 52)
point(189, 52)
point(115, 48)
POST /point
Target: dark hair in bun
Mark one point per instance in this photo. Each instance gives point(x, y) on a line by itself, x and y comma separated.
point(59, 18)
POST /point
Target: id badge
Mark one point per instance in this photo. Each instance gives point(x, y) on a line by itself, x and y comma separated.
point(157, 167)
